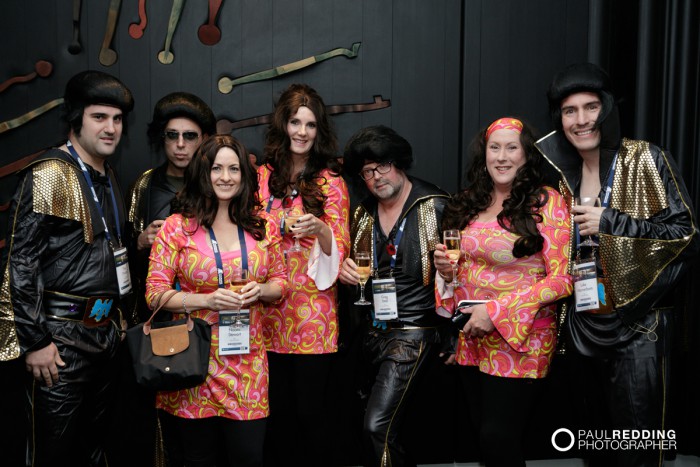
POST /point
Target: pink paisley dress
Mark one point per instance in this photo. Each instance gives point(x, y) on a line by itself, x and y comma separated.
point(307, 321)
point(522, 292)
point(237, 385)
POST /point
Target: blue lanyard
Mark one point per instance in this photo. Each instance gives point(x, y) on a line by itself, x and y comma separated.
point(293, 195)
point(217, 254)
point(607, 193)
point(396, 242)
point(88, 179)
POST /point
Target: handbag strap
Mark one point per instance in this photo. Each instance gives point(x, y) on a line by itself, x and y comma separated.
point(160, 302)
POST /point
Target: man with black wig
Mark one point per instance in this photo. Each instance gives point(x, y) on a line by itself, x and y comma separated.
point(180, 123)
point(65, 268)
point(399, 225)
point(646, 234)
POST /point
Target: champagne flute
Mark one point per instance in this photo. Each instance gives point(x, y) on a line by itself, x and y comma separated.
point(292, 217)
point(239, 279)
point(364, 268)
point(588, 201)
point(453, 242)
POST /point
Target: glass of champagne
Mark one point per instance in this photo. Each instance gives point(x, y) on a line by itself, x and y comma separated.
point(291, 217)
point(453, 241)
point(588, 201)
point(364, 268)
point(239, 279)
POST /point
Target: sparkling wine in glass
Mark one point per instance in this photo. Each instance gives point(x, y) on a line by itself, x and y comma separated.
point(453, 242)
point(588, 201)
point(364, 269)
point(291, 218)
point(239, 279)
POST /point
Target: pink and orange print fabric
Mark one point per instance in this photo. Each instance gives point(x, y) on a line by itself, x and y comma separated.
point(307, 321)
point(237, 385)
point(522, 293)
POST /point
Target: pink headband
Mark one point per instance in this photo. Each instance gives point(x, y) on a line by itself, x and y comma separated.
point(505, 124)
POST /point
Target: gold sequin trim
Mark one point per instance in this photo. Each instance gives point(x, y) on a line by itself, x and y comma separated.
point(633, 264)
point(9, 343)
point(138, 191)
point(57, 192)
point(429, 236)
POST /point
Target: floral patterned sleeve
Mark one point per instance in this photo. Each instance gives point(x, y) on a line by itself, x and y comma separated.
point(277, 270)
point(336, 213)
point(162, 267)
point(514, 314)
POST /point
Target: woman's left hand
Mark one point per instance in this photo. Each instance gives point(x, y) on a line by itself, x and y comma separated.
point(309, 225)
point(250, 293)
point(480, 323)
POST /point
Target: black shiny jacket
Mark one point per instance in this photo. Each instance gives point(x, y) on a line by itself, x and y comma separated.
point(57, 243)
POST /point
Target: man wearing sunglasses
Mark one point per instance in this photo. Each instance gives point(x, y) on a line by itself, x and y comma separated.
point(398, 224)
point(180, 123)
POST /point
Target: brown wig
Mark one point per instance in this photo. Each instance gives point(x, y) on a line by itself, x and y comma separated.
point(520, 209)
point(197, 199)
point(323, 154)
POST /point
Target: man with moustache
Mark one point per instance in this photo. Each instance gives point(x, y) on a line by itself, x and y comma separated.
point(64, 270)
point(399, 224)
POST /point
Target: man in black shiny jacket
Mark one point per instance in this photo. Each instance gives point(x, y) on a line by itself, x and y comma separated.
point(180, 123)
point(647, 237)
point(399, 225)
point(64, 270)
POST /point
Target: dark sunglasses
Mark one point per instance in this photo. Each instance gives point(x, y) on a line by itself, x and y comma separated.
point(186, 135)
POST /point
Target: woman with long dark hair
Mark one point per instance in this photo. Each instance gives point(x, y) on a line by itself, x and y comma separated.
point(515, 243)
point(219, 229)
point(301, 175)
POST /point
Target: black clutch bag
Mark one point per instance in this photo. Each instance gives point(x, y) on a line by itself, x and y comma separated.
point(464, 312)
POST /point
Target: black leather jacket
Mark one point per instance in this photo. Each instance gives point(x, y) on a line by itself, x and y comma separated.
point(648, 236)
point(57, 244)
point(149, 199)
point(414, 272)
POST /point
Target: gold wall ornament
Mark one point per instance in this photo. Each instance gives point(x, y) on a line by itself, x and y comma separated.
point(165, 56)
point(32, 114)
point(226, 84)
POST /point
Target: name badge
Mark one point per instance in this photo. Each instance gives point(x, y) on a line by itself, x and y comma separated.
point(234, 332)
point(586, 286)
point(384, 291)
point(123, 276)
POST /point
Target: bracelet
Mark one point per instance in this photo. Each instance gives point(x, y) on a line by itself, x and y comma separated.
point(184, 306)
point(443, 276)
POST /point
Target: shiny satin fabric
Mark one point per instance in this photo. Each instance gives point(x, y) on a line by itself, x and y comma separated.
point(423, 213)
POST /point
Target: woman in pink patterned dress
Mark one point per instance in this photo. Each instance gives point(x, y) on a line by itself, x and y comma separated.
point(301, 173)
point(218, 227)
point(515, 240)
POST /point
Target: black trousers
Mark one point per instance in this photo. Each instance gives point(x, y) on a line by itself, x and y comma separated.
point(70, 420)
point(397, 360)
point(298, 431)
point(628, 392)
point(499, 409)
point(214, 441)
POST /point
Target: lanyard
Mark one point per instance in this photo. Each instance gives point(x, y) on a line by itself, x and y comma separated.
point(217, 254)
point(88, 179)
point(291, 197)
point(396, 242)
point(607, 192)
